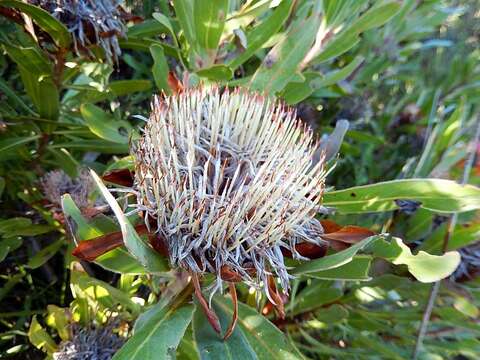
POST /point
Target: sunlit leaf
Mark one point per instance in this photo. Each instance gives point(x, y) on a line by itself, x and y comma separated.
point(281, 62)
point(44, 20)
point(263, 32)
point(117, 260)
point(159, 336)
point(105, 126)
point(216, 72)
point(39, 337)
point(160, 68)
point(148, 257)
point(253, 332)
point(438, 195)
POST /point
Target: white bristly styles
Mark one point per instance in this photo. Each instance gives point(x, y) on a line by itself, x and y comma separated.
point(229, 179)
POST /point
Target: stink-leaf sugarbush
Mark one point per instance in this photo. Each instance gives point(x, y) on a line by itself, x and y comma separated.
point(219, 185)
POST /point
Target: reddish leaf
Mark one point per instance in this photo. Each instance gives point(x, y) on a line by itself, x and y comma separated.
point(209, 313)
point(122, 177)
point(230, 275)
point(349, 234)
point(330, 226)
point(174, 83)
point(308, 250)
point(158, 243)
point(89, 250)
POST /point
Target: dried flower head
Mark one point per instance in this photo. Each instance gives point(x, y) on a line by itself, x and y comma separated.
point(90, 22)
point(56, 183)
point(91, 343)
point(469, 267)
point(229, 180)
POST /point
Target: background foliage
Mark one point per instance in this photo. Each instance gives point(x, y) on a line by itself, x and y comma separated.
point(404, 73)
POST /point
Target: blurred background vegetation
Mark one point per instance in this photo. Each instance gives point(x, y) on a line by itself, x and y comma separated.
point(74, 91)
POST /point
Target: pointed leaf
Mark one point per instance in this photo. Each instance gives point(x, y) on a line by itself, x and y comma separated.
point(148, 257)
point(209, 18)
point(160, 68)
point(117, 260)
point(438, 195)
point(335, 260)
point(218, 72)
point(266, 340)
point(355, 270)
point(39, 337)
point(210, 344)
point(104, 125)
point(425, 267)
point(159, 335)
point(44, 20)
point(263, 32)
point(282, 61)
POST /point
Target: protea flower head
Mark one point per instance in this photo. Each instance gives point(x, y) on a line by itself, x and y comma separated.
point(228, 180)
point(90, 22)
point(55, 183)
point(469, 267)
point(90, 343)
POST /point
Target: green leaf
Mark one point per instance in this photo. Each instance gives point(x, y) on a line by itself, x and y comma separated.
point(66, 161)
point(184, 12)
point(335, 260)
point(13, 96)
point(466, 307)
point(37, 77)
point(58, 318)
point(45, 254)
point(339, 45)
point(142, 44)
point(12, 143)
point(355, 270)
point(103, 146)
point(117, 260)
point(32, 230)
point(23, 227)
point(266, 340)
point(9, 244)
point(218, 72)
point(425, 267)
point(125, 87)
point(209, 18)
point(147, 28)
point(337, 75)
point(148, 257)
point(375, 17)
point(333, 314)
point(316, 295)
point(44, 20)
point(462, 236)
point(104, 125)
point(159, 336)
point(281, 63)
point(106, 295)
point(165, 21)
point(444, 196)
point(160, 68)
point(349, 37)
point(211, 346)
point(39, 337)
point(12, 224)
point(263, 32)
point(296, 92)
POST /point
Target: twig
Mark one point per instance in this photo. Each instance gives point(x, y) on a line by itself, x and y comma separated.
point(451, 226)
point(209, 313)
point(233, 293)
